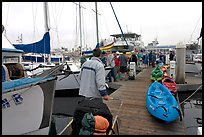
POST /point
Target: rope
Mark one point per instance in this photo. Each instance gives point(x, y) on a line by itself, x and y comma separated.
point(6, 22)
point(119, 25)
point(191, 94)
point(104, 19)
point(196, 26)
point(92, 21)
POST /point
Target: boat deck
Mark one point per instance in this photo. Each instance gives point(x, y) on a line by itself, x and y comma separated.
point(133, 115)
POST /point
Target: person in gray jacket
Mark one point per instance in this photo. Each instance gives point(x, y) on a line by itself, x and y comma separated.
point(92, 78)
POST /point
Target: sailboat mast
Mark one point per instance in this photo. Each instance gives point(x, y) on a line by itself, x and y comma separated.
point(46, 26)
point(46, 16)
point(80, 28)
point(96, 22)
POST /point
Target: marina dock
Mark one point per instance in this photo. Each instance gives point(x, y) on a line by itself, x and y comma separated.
point(133, 115)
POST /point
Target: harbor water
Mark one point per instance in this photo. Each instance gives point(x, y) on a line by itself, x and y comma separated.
point(192, 110)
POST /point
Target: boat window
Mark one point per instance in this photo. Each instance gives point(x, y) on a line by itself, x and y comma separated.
point(11, 59)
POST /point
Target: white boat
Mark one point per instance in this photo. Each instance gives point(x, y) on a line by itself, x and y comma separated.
point(131, 42)
point(70, 84)
point(36, 67)
point(197, 58)
point(27, 105)
point(26, 102)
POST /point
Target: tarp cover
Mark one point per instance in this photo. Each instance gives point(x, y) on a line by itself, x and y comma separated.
point(42, 46)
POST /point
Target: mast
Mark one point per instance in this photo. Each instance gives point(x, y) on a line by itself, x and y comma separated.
point(119, 25)
point(46, 26)
point(96, 23)
point(80, 28)
point(46, 16)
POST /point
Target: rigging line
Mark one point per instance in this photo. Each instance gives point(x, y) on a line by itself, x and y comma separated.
point(7, 14)
point(119, 24)
point(54, 16)
point(96, 21)
point(75, 37)
point(83, 34)
point(59, 14)
point(54, 11)
point(84, 30)
point(104, 18)
point(76, 33)
point(57, 22)
point(93, 22)
point(195, 26)
point(73, 23)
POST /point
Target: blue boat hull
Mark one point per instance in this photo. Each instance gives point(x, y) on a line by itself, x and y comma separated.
point(161, 103)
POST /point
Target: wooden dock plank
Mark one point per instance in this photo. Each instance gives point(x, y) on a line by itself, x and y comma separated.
point(135, 119)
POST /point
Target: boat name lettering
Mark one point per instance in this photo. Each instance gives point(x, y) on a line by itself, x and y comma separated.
point(17, 98)
point(5, 103)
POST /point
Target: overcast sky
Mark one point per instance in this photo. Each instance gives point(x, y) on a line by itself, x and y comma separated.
point(169, 22)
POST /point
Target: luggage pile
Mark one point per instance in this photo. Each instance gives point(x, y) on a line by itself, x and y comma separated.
point(91, 117)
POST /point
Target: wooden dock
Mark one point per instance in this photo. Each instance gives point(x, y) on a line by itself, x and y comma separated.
point(134, 117)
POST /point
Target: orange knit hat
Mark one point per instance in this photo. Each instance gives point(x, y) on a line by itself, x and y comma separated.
point(101, 124)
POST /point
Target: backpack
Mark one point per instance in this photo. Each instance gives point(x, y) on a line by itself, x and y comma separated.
point(93, 125)
point(94, 106)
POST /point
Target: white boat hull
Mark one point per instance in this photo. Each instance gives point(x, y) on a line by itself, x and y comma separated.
point(71, 82)
point(29, 112)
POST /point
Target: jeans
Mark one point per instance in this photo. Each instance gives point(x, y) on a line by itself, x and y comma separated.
point(111, 74)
